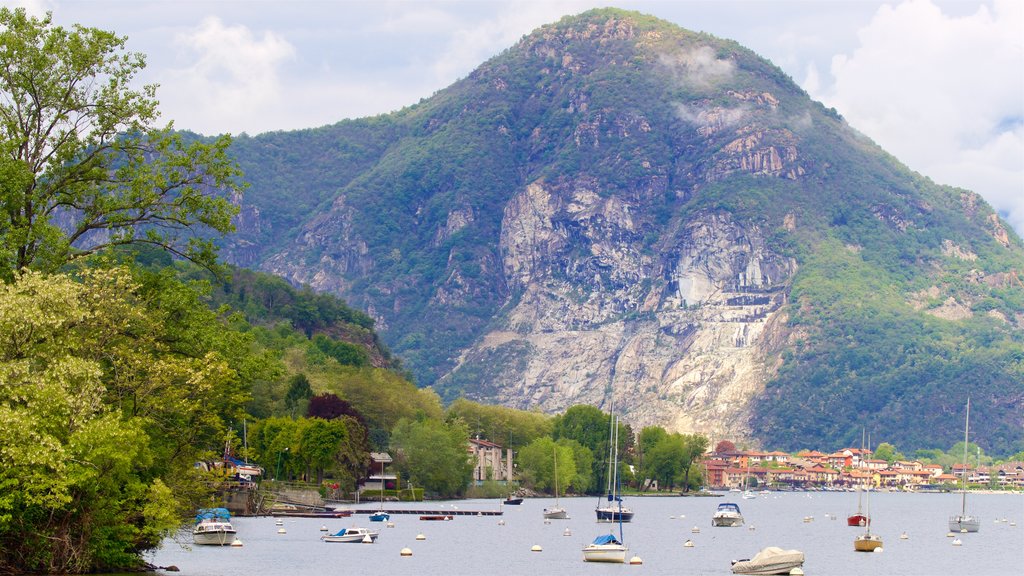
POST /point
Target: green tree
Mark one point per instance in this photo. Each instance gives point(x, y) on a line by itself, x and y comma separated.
point(82, 167)
point(432, 454)
point(500, 424)
point(103, 419)
point(886, 451)
point(298, 391)
point(537, 465)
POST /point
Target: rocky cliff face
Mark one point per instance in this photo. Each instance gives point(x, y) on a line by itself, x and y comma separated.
point(683, 335)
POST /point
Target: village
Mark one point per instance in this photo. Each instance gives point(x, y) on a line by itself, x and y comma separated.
point(848, 468)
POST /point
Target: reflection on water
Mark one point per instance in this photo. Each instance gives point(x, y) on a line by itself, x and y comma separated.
point(468, 545)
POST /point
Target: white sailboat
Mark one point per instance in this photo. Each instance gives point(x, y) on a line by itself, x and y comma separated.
point(964, 522)
point(748, 494)
point(555, 512)
point(613, 510)
point(606, 547)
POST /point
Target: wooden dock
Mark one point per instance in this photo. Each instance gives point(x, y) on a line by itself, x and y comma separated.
point(429, 512)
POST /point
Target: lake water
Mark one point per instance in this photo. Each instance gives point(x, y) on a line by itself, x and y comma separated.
point(471, 545)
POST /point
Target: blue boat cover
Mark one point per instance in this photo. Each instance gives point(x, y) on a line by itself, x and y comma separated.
point(606, 539)
point(213, 514)
point(340, 532)
point(614, 498)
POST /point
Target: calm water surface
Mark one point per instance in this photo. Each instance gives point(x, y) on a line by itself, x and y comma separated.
point(471, 545)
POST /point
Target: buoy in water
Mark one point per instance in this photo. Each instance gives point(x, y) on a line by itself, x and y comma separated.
point(282, 531)
point(546, 521)
point(688, 544)
point(536, 548)
point(695, 530)
point(751, 527)
point(278, 521)
point(390, 524)
point(501, 522)
point(236, 542)
point(949, 534)
point(406, 552)
point(367, 539)
point(567, 532)
point(635, 561)
point(421, 537)
point(903, 536)
point(323, 528)
point(957, 542)
point(879, 550)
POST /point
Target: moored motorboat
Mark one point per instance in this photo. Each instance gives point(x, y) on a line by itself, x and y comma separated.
point(380, 517)
point(213, 527)
point(351, 535)
point(727, 514)
point(771, 560)
point(513, 501)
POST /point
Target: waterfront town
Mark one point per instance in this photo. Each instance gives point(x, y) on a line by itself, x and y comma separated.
point(845, 468)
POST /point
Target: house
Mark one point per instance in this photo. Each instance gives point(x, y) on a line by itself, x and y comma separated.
point(488, 463)
point(379, 478)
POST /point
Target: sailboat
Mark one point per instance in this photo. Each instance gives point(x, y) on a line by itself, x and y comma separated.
point(381, 515)
point(858, 518)
point(867, 542)
point(606, 547)
point(613, 511)
point(964, 522)
point(555, 512)
point(748, 494)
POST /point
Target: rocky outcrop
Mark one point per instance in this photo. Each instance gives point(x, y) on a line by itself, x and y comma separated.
point(678, 337)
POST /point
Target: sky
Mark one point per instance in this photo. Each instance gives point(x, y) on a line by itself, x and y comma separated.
point(937, 83)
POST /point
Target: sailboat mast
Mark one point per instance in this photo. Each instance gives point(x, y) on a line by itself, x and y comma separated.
point(963, 471)
point(615, 495)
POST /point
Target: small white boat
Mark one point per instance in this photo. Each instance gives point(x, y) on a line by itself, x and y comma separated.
point(605, 548)
point(728, 514)
point(213, 528)
point(771, 560)
point(350, 535)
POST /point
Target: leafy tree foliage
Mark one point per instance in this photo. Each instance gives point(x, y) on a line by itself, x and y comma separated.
point(105, 407)
point(432, 454)
point(328, 406)
point(507, 426)
point(82, 166)
point(312, 449)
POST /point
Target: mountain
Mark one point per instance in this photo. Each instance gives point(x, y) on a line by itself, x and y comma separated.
point(617, 211)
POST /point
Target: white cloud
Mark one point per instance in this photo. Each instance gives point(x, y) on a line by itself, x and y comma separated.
point(233, 77)
point(943, 93)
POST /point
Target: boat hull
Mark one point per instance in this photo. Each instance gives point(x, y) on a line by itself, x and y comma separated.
point(727, 521)
point(614, 515)
point(380, 517)
point(961, 523)
point(213, 536)
point(867, 543)
point(610, 553)
point(771, 560)
point(351, 537)
point(556, 514)
point(857, 520)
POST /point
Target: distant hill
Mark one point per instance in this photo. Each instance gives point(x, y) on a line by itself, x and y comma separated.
point(616, 209)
